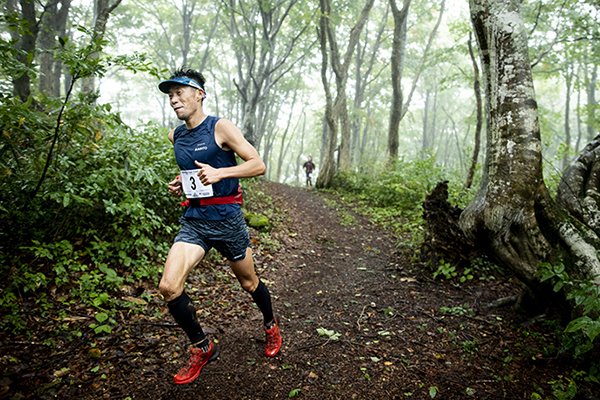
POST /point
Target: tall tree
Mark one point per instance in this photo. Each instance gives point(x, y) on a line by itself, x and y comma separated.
point(337, 111)
point(26, 43)
point(266, 39)
point(399, 107)
point(363, 76)
point(478, 115)
point(102, 9)
point(53, 25)
point(513, 215)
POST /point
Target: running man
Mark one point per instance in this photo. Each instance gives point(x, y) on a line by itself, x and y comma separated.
point(309, 166)
point(205, 148)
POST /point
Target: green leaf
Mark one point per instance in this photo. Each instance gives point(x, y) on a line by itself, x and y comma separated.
point(433, 391)
point(578, 323)
point(583, 348)
point(101, 317)
point(103, 328)
point(294, 392)
point(592, 330)
point(558, 286)
point(66, 199)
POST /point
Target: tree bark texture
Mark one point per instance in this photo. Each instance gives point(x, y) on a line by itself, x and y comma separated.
point(327, 170)
point(53, 24)
point(336, 111)
point(579, 188)
point(398, 57)
point(479, 114)
point(512, 214)
point(340, 65)
point(591, 103)
point(22, 84)
point(102, 10)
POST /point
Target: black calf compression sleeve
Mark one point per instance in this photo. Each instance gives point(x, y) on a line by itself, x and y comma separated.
point(262, 298)
point(185, 315)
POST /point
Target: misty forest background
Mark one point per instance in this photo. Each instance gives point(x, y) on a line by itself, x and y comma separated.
point(387, 97)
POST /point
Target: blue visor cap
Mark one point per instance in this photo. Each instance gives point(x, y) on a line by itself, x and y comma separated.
point(181, 80)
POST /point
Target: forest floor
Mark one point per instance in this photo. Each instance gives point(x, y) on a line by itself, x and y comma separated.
point(360, 319)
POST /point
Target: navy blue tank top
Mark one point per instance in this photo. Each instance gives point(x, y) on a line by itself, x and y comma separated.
point(198, 144)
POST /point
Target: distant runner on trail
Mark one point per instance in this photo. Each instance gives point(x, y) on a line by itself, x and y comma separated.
point(309, 166)
point(205, 148)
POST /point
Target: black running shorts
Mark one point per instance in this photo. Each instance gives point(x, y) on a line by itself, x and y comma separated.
point(229, 236)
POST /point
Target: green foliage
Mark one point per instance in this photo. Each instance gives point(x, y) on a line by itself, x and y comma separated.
point(586, 297)
point(394, 196)
point(445, 269)
point(83, 198)
point(331, 334)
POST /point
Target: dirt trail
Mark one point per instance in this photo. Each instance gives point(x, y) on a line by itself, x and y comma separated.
point(388, 330)
point(393, 340)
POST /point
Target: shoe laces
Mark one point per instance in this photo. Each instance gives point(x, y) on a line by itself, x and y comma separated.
point(272, 335)
point(196, 357)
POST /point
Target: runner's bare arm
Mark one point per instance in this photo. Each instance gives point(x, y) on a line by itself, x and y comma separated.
point(175, 187)
point(229, 137)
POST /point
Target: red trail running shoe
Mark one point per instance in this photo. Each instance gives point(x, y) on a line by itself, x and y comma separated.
point(273, 343)
point(198, 360)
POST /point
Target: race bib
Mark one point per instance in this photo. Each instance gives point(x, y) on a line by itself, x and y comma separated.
point(192, 187)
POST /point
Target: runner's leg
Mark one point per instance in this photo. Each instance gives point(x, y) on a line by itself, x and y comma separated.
point(182, 258)
point(246, 275)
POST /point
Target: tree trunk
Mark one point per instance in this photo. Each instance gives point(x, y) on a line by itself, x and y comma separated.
point(264, 56)
point(337, 111)
point(22, 84)
point(361, 82)
point(301, 150)
point(569, 80)
point(512, 215)
point(327, 171)
point(398, 110)
point(398, 57)
point(283, 142)
point(53, 24)
point(591, 104)
point(479, 113)
point(340, 65)
point(102, 9)
point(579, 188)
point(424, 144)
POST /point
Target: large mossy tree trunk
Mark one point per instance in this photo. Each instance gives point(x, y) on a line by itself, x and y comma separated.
point(513, 215)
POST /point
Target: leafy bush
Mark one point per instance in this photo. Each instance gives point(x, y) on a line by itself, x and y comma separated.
point(83, 198)
point(403, 186)
point(586, 297)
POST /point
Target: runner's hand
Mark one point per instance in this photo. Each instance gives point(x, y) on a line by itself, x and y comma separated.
point(208, 175)
point(176, 187)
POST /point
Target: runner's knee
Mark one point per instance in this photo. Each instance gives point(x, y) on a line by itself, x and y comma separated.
point(169, 290)
point(249, 285)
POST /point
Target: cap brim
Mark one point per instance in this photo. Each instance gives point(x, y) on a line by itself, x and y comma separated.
point(164, 86)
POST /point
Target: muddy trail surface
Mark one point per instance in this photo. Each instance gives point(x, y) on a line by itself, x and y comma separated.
point(359, 319)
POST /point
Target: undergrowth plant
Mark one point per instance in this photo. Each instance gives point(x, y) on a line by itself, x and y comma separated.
point(586, 296)
point(393, 196)
point(83, 199)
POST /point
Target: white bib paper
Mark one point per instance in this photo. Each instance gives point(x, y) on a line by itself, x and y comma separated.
point(192, 187)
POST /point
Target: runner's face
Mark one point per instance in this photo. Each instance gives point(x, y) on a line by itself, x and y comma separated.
point(184, 100)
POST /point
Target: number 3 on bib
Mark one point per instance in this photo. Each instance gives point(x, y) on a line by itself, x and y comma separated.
point(193, 187)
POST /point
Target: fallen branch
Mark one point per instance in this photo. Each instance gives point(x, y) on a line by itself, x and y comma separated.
point(504, 301)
